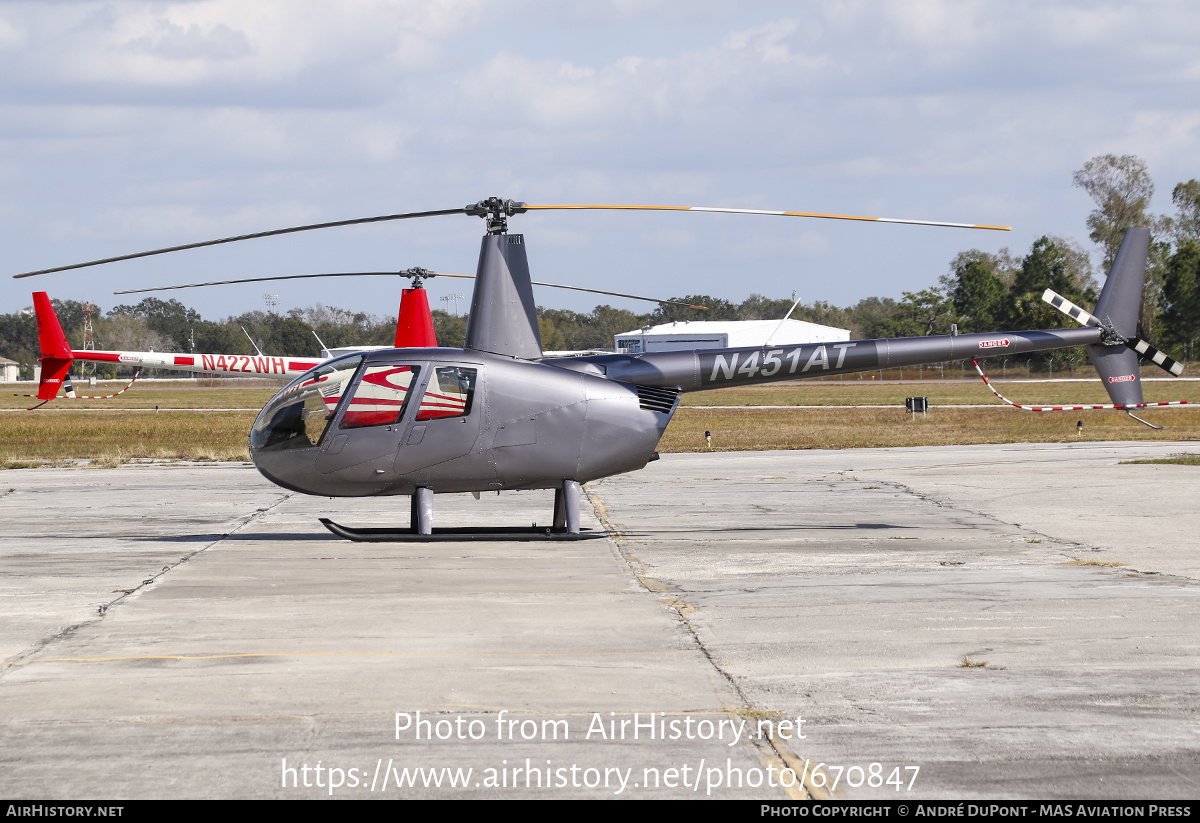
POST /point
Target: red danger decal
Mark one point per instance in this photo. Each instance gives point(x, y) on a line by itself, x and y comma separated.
point(184, 361)
point(994, 344)
point(129, 358)
point(1125, 378)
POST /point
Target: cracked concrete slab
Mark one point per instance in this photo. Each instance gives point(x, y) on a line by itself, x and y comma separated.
point(276, 646)
point(951, 609)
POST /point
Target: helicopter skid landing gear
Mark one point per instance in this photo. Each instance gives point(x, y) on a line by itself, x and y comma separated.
point(421, 518)
point(420, 530)
point(566, 507)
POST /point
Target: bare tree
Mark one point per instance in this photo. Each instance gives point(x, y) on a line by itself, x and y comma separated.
point(129, 332)
point(1078, 264)
point(1121, 189)
point(1186, 223)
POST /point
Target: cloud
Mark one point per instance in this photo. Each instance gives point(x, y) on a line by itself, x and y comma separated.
point(10, 35)
point(169, 120)
point(174, 42)
point(216, 52)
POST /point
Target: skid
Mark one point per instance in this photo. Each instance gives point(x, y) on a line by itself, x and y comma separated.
point(504, 533)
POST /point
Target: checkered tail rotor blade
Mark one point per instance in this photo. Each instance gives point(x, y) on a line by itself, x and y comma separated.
point(1144, 349)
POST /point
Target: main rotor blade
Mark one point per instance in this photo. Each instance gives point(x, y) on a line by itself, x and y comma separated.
point(357, 221)
point(620, 294)
point(776, 214)
point(483, 209)
point(295, 277)
point(397, 274)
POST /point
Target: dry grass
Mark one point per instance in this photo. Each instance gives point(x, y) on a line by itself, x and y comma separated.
point(968, 663)
point(1178, 459)
point(112, 432)
point(146, 396)
point(765, 429)
point(855, 392)
point(120, 437)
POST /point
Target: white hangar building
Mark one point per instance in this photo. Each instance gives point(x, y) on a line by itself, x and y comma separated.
point(724, 334)
point(8, 370)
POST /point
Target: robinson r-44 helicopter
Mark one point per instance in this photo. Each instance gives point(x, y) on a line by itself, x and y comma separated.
point(497, 415)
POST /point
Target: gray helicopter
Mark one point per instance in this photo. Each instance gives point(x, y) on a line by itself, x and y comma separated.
point(497, 415)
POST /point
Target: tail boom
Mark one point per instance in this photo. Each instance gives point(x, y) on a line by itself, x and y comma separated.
point(720, 368)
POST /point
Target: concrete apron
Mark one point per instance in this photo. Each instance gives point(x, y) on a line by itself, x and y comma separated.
point(740, 590)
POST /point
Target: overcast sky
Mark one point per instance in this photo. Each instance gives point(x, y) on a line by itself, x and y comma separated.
point(132, 125)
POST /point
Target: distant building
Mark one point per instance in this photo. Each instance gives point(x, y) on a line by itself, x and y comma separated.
point(8, 370)
point(724, 334)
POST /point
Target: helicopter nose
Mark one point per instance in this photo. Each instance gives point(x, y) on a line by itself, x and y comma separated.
point(283, 442)
point(287, 433)
point(292, 469)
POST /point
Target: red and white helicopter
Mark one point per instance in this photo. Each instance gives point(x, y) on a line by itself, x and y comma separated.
point(414, 329)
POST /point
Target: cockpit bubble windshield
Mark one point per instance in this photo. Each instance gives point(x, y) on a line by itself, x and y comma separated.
point(298, 416)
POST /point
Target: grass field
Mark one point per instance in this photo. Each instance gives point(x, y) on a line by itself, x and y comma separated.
point(128, 427)
point(753, 429)
point(854, 392)
point(148, 396)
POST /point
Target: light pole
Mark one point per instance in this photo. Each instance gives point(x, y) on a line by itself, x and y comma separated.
point(455, 297)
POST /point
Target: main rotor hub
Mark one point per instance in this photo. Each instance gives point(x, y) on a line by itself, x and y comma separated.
point(496, 212)
point(417, 274)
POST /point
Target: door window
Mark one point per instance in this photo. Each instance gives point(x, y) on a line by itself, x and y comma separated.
point(449, 394)
point(380, 396)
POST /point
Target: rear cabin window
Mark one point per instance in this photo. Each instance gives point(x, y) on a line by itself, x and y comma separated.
point(380, 397)
point(449, 394)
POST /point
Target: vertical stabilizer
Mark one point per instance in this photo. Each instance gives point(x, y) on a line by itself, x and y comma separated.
point(1117, 310)
point(56, 354)
point(1121, 299)
point(51, 339)
point(503, 315)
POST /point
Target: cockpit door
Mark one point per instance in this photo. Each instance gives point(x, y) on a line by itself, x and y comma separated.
point(371, 422)
point(446, 422)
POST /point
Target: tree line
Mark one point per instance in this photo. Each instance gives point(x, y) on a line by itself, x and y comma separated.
point(982, 291)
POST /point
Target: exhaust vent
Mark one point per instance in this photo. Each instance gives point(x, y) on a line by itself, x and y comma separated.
point(657, 399)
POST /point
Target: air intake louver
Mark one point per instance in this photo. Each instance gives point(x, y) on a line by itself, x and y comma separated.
point(657, 399)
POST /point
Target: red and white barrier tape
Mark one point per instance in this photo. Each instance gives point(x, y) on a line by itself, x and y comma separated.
point(988, 383)
point(136, 375)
